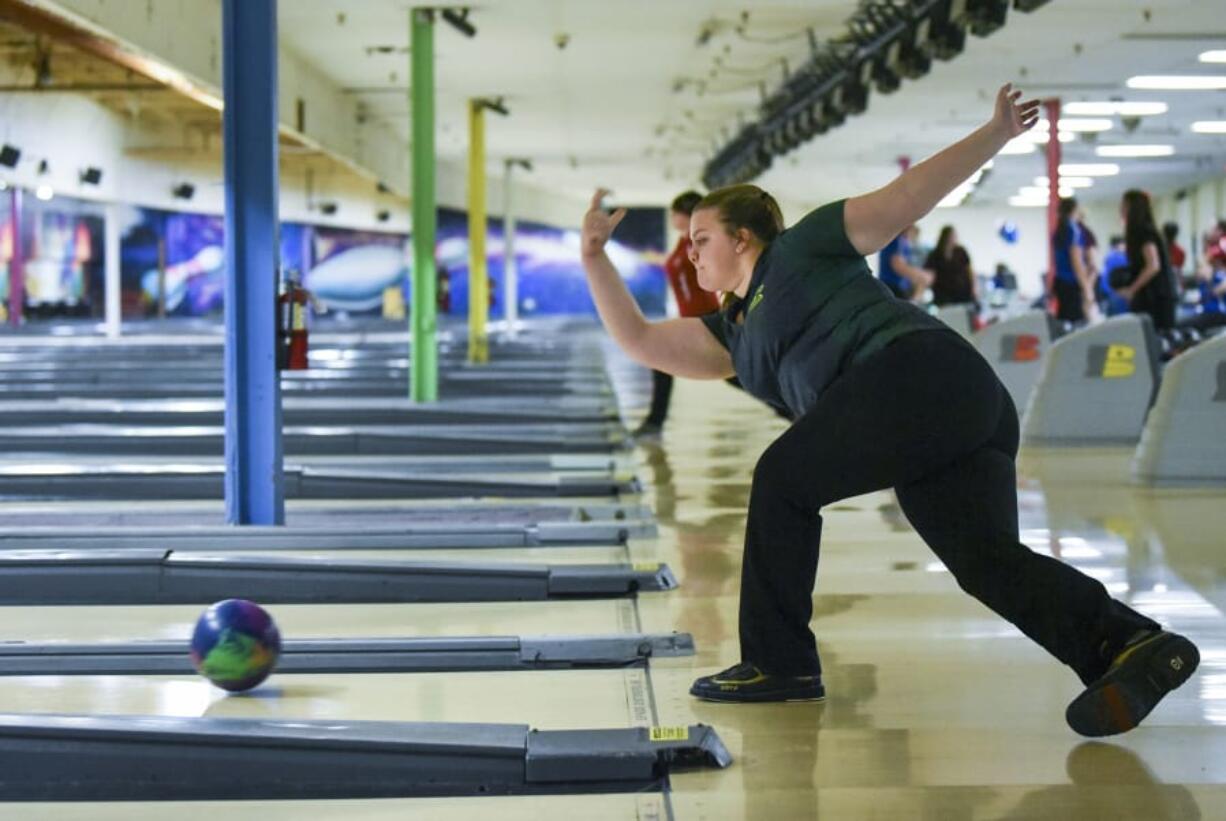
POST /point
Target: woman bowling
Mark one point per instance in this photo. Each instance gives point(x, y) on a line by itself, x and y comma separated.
point(883, 396)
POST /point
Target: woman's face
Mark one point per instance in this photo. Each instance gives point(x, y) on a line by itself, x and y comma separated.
point(714, 253)
point(953, 238)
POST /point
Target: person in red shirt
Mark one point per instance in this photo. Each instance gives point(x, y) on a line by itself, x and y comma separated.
point(692, 300)
point(1215, 246)
point(1170, 232)
point(1177, 255)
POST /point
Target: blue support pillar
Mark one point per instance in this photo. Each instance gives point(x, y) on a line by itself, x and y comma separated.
point(254, 486)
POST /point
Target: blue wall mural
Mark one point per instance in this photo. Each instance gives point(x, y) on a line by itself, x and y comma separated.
point(551, 278)
point(61, 243)
point(180, 258)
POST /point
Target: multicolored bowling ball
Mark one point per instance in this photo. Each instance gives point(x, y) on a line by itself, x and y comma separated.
point(235, 644)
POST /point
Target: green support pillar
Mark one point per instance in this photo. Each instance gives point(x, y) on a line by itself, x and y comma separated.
point(423, 385)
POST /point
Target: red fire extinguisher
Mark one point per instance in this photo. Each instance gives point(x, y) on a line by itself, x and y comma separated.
point(293, 305)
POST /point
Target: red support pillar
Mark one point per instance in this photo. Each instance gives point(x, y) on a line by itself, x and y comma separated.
point(1052, 109)
point(17, 265)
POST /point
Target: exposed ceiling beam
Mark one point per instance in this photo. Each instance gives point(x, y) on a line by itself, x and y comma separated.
point(81, 88)
point(38, 21)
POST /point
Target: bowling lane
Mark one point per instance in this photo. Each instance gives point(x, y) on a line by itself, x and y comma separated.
point(616, 807)
point(334, 512)
point(553, 700)
point(302, 621)
point(467, 555)
point(557, 700)
point(536, 698)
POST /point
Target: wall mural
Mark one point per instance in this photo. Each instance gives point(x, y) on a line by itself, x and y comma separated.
point(6, 254)
point(178, 255)
point(551, 278)
point(175, 262)
point(62, 252)
point(346, 270)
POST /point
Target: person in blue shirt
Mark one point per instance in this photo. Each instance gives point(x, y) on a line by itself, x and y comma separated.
point(896, 272)
point(1070, 285)
point(1212, 285)
point(1116, 257)
point(883, 396)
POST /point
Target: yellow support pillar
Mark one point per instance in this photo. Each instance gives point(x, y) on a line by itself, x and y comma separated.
point(478, 276)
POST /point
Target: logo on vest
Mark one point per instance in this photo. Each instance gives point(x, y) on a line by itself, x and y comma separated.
point(753, 303)
point(1020, 348)
point(1220, 396)
point(1111, 361)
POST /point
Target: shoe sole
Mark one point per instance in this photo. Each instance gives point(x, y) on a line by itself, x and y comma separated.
point(732, 699)
point(1121, 699)
point(709, 700)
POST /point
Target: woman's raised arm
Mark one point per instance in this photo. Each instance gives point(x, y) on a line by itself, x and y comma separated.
point(682, 347)
point(872, 220)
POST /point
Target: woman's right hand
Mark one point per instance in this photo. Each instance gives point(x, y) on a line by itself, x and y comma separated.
point(598, 225)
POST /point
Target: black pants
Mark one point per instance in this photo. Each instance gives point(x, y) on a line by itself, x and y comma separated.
point(661, 393)
point(928, 417)
point(1069, 304)
point(1160, 306)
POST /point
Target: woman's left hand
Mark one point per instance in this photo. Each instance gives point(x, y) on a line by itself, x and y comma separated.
point(1012, 117)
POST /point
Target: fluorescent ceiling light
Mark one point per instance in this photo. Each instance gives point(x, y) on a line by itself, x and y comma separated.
point(1109, 108)
point(44, 192)
point(1089, 169)
point(1069, 182)
point(1214, 56)
point(1134, 150)
point(1077, 124)
point(1179, 82)
point(1209, 126)
point(1028, 202)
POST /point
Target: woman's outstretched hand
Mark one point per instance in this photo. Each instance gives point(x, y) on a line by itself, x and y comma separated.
point(1012, 117)
point(598, 224)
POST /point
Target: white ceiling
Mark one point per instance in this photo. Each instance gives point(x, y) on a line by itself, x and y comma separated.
point(604, 110)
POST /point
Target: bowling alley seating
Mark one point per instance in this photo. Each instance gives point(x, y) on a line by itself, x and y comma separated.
point(1096, 386)
point(1184, 441)
point(1016, 348)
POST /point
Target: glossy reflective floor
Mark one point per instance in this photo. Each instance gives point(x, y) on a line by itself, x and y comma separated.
point(937, 709)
